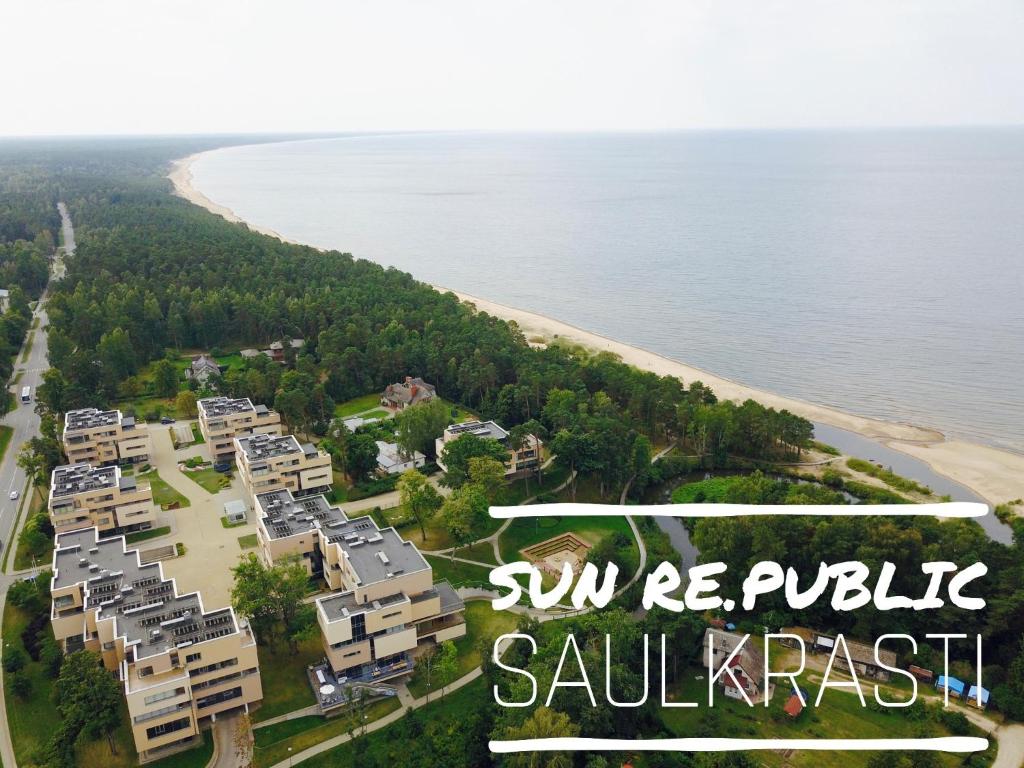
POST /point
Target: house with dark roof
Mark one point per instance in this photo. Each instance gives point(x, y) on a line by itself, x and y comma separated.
point(203, 368)
point(747, 664)
point(412, 391)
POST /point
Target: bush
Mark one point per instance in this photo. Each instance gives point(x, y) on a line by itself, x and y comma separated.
point(25, 595)
point(833, 478)
point(50, 655)
point(21, 684)
point(14, 660)
point(955, 722)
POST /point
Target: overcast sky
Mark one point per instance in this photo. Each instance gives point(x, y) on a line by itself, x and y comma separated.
point(163, 66)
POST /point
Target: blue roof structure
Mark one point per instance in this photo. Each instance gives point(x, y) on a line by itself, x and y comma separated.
point(957, 686)
point(730, 627)
point(973, 695)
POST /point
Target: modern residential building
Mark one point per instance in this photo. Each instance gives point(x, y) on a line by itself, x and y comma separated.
point(83, 496)
point(747, 665)
point(203, 368)
point(222, 419)
point(385, 601)
point(519, 462)
point(412, 391)
point(270, 462)
point(96, 437)
point(392, 461)
point(178, 663)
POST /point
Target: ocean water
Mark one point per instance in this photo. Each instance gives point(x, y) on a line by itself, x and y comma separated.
point(881, 272)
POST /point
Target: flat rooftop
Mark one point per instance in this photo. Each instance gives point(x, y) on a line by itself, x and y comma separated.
point(375, 554)
point(72, 479)
point(259, 447)
point(485, 429)
point(144, 605)
point(214, 407)
point(287, 516)
point(341, 605)
point(89, 418)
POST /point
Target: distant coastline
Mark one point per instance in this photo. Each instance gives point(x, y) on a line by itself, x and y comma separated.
point(995, 475)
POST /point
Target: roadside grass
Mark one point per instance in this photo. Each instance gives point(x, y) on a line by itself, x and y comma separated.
point(22, 557)
point(285, 687)
point(6, 433)
point(208, 479)
point(9, 547)
point(163, 494)
point(247, 542)
point(387, 745)
point(357, 405)
point(273, 742)
point(152, 533)
point(482, 621)
point(28, 346)
point(17, 377)
point(839, 716)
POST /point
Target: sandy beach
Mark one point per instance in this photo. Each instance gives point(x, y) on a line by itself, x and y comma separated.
point(995, 475)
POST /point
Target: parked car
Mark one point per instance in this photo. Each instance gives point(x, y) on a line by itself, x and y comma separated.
point(166, 420)
point(14, 495)
point(222, 466)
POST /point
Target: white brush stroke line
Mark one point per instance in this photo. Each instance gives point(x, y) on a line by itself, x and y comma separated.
point(579, 744)
point(949, 509)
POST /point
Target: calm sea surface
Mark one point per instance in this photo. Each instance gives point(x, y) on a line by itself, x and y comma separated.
point(881, 272)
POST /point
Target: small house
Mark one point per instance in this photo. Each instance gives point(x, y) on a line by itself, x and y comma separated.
point(922, 674)
point(794, 706)
point(955, 687)
point(391, 460)
point(978, 697)
point(235, 511)
point(203, 368)
point(747, 664)
point(249, 354)
point(412, 391)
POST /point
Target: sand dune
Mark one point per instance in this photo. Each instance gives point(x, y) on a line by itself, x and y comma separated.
point(995, 475)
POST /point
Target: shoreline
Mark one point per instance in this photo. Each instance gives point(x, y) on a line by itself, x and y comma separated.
point(995, 475)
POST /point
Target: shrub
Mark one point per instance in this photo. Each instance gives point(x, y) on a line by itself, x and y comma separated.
point(14, 660)
point(21, 685)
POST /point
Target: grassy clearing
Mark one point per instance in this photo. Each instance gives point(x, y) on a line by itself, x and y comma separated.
point(482, 552)
point(459, 574)
point(888, 477)
point(272, 742)
point(285, 687)
point(520, 490)
point(357, 405)
point(482, 621)
point(208, 479)
point(247, 542)
point(163, 494)
point(839, 716)
point(152, 533)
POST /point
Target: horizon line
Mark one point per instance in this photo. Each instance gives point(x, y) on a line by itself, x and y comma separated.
point(948, 509)
point(959, 744)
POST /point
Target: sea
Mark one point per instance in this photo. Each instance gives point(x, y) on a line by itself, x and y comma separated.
point(877, 271)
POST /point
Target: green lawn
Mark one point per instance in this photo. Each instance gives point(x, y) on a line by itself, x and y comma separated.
point(840, 716)
point(152, 533)
point(208, 479)
point(247, 542)
point(482, 621)
point(31, 721)
point(357, 405)
point(197, 435)
point(142, 406)
point(514, 493)
point(22, 556)
point(376, 413)
point(224, 523)
point(285, 687)
point(193, 758)
point(272, 742)
point(525, 531)
point(163, 494)
point(383, 747)
point(482, 552)
point(459, 574)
